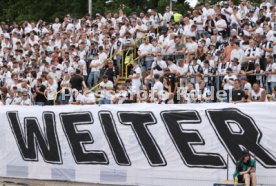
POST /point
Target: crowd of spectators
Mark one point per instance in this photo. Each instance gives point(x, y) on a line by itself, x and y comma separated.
point(146, 57)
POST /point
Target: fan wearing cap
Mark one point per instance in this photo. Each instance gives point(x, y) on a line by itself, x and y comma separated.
point(245, 170)
point(235, 66)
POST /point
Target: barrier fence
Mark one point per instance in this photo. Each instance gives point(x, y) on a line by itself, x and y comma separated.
point(137, 145)
point(216, 83)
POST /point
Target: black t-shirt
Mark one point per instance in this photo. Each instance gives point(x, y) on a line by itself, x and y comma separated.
point(76, 82)
point(111, 73)
point(237, 95)
point(40, 97)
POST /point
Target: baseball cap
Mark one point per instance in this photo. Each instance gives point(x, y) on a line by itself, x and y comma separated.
point(234, 24)
point(243, 78)
point(235, 60)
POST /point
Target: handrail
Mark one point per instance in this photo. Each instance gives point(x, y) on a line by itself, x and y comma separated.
point(130, 63)
point(124, 66)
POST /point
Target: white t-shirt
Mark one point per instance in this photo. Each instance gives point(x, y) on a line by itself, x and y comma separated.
point(247, 86)
point(140, 27)
point(228, 86)
point(220, 23)
point(137, 71)
point(105, 93)
point(191, 47)
point(95, 62)
point(260, 31)
point(234, 19)
point(89, 98)
point(183, 70)
point(158, 87)
point(84, 68)
point(270, 35)
point(173, 67)
point(11, 101)
point(51, 94)
point(102, 57)
point(56, 27)
point(145, 48)
point(136, 83)
point(162, 64)
point(197, 20)
point(6, 76)
point(79, 97)
point(273, 76)
point(257, 95)
point(82, 54)
point(171, 46)
point(189, 33)
point(26, 101)
point(229, 10)
point(252, 52)
point(239, 54)
point(122, 96)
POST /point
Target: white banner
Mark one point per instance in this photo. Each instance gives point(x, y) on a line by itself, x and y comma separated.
point(137, 144)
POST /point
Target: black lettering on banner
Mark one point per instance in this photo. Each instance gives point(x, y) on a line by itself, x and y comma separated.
point(77, 139)
point(185, 139)
point(114, 140)
point(33, 138)
point(248, 135)
point(139, 122)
